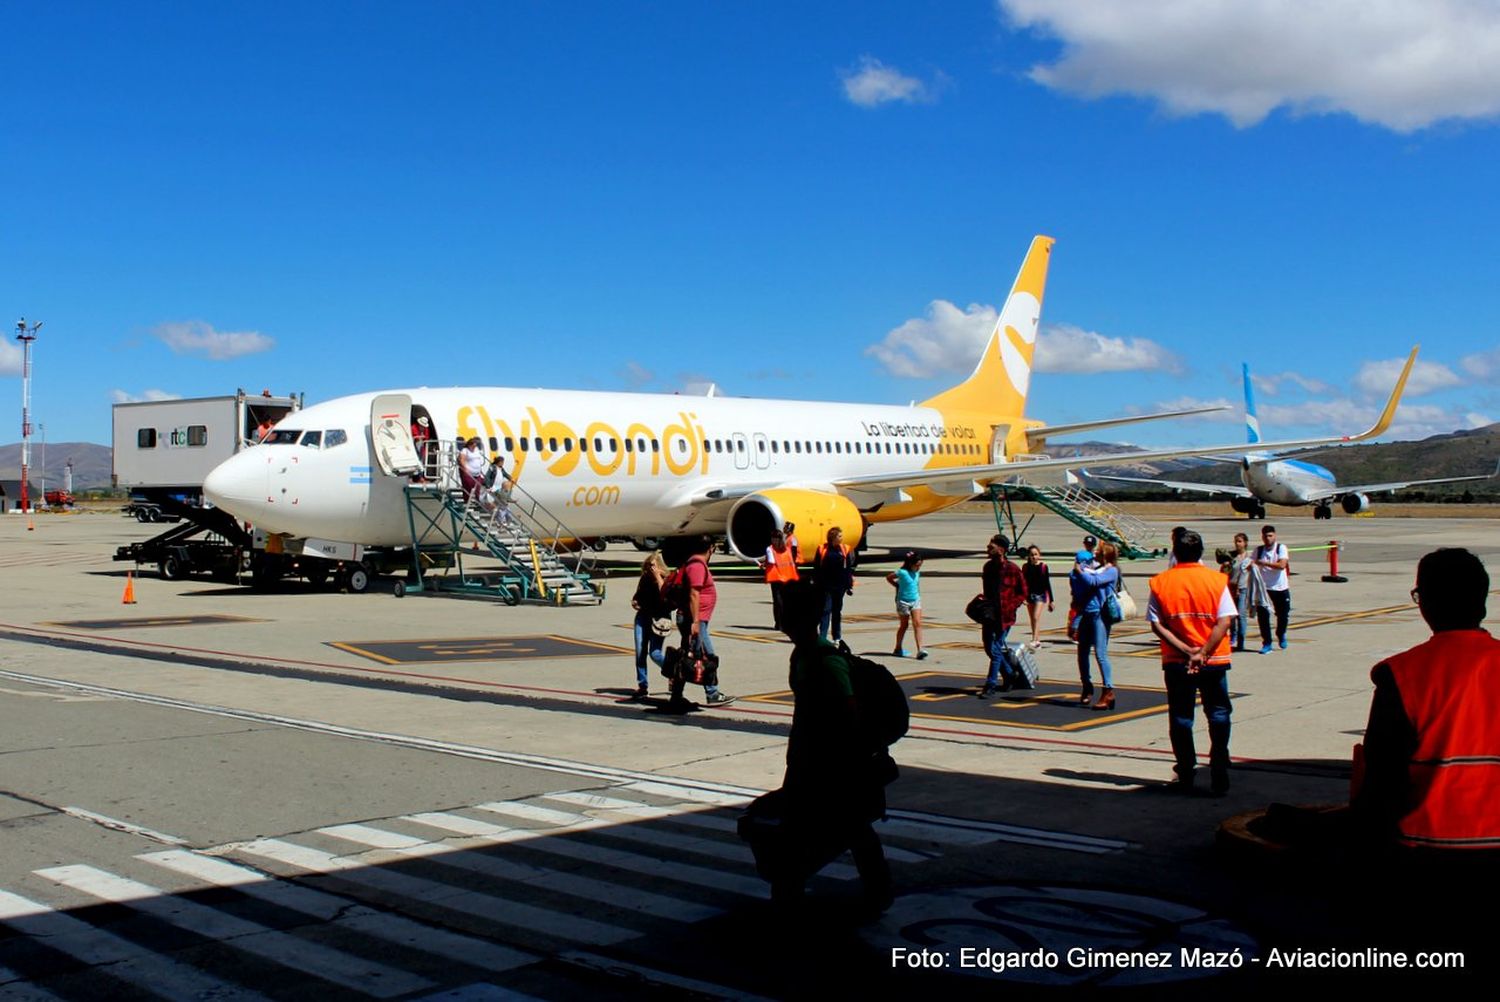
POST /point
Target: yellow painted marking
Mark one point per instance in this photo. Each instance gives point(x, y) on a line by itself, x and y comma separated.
point(350, 648)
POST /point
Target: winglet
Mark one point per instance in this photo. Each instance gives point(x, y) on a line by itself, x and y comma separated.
point(1387, 415)
point(1252, 423)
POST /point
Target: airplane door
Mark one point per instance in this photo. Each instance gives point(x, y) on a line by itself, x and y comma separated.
point(390, 432)
point(997, 443)
point(762, 450)
point(741, 451)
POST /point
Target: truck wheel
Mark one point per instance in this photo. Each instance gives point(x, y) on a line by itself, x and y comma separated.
point(511, 595)
point(357, 580)
point(172, 568)
point(399, 589)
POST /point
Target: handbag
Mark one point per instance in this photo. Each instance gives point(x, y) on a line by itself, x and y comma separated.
point(1110, 611)
point(1128, 608)
point(981, 610)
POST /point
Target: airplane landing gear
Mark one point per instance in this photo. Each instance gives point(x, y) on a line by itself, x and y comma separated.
point(1322, 511)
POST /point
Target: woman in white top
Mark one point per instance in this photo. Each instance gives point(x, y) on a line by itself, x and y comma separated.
point(471, 464)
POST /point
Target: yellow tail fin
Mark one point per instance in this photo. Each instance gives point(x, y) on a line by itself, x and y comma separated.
point(1000, 381)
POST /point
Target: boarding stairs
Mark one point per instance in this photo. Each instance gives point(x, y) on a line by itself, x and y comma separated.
point(1085, 509)
point(540, 559)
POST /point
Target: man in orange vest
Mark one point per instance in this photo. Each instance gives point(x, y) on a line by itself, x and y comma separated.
point(1428, 773)
point(780, 565)
point(1191, 612)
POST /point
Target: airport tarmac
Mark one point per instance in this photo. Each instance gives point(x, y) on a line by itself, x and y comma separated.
point(1007, 811)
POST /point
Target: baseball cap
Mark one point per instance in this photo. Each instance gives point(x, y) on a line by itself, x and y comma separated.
point(1089, 541)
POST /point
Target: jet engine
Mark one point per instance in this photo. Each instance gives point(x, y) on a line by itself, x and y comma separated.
point(755, 516)
point(1354, 503)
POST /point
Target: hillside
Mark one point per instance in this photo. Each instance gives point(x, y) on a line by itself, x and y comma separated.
point(92, 464)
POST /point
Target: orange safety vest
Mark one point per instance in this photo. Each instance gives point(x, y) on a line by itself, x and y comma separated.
point(1187, 597)
point(1447, 688)
point(783, 568)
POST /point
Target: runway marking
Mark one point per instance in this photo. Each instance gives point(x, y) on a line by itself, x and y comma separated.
point(340, 911)
point(371, 978)
point(445, 649)
point(152, 972)
point(152, 621)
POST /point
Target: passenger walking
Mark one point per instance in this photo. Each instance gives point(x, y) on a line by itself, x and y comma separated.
point(1004, 590)
point(693, 618)
point(1273, 560)
point(471, 464)
point(834, 566)
point(1246, 588)
point(780, 566)
point(649, 610)
point(907, 579)
point(1038, 590)
point(1191, 612)
point(1097, 585)
point(1428, 771)
point(835, 778)
point(421, 434)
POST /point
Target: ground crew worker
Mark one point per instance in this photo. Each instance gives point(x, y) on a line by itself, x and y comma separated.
point(1428, 773)
point(1191, 612)
point(780, 565)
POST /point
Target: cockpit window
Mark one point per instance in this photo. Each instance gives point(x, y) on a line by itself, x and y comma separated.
point(334, 437)
point(312, 439)
point(283, 436)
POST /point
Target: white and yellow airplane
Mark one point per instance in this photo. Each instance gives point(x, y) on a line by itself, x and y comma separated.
point(661, 465)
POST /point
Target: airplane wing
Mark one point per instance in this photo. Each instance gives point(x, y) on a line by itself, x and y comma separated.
point(1035, 435)
point(1393, 486)
point(947, 480)
point(1176, 485)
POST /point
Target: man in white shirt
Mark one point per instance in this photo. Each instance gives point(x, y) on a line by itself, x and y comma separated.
point(1272, 561)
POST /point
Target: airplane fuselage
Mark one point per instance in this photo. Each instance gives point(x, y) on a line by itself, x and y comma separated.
point(1288, 482)
point(605, 463)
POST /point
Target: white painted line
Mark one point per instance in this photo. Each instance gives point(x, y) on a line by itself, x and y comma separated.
point(706, 794)
point(485, 906)
point(155, 973)
point(481, 992)
point(124, 826)
point(342, 912)
point(456, 823)
point(369, 977)
point(586, 888)
point(614, 805)
point(533, 812)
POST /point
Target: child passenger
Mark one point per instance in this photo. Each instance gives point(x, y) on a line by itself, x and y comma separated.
point(906, 579)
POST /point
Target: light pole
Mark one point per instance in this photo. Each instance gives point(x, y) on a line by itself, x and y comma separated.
point(42, 427)
point(26, 333)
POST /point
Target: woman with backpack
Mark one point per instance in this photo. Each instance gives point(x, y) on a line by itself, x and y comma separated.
point(649, 608)
point(1097, 602)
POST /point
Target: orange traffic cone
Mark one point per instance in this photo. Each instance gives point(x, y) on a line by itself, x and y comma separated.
point(129, 597)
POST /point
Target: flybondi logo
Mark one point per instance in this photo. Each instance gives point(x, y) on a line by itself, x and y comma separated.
point(605, 449)
point(1017, 328)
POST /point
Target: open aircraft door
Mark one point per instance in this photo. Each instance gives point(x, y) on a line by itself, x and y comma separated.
point(997, 442)
point(390, 432)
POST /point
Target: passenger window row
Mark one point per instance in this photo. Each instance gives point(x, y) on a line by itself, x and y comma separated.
point(599, 445)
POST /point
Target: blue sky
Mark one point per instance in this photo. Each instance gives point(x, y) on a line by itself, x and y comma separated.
point(779, 197)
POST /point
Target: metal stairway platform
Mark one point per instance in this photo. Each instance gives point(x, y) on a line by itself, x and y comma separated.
point(1083, 508)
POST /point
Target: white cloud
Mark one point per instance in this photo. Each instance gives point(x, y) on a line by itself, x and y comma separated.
point(949, 339)
point(194, 337)
point(1402, 64)
point(1066, 348)
point(1273, 384)
point(122, 397)
point(1483, 365)
point(1376, 379)
point(10, 359)
point(1474, 419)
point(873, 83)
point(636, 375)
point(1233, 414)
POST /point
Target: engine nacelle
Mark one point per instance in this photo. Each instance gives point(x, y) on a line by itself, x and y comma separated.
point(1353, 504)
point(756, 516)
point(1245, 506)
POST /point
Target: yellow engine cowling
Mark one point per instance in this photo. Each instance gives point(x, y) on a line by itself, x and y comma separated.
point(756, 516)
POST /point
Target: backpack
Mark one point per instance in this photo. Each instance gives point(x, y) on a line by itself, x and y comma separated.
point(883, 713)
point(674, 589)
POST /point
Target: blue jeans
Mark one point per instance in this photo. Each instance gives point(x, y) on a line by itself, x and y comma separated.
point(1093, 635)
point(647, 645)
point(993, 639)
point(833, 616)
point(1182, 689)
point(1237, 631)
point(707, 643)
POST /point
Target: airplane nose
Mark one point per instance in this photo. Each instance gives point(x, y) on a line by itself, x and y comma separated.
point(233, 486)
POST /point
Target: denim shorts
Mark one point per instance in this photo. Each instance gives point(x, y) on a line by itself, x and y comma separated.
point(1036, 598)
point(907, 608)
